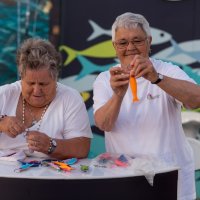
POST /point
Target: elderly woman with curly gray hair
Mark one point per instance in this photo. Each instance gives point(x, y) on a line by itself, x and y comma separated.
point(39, 115)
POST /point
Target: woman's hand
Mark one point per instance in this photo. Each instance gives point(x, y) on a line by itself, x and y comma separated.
point(142, 67)
point(119, 80)
point(38, 141)
point(12, 126)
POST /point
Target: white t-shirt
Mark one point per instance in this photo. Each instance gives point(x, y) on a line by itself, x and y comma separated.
point(65, 118)
point(152, 126)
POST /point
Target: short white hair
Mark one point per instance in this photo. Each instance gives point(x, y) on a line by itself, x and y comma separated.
point(130, 20)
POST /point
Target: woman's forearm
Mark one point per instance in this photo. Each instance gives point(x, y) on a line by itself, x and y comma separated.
point(76, 147)
point(186, 92)
point(106, 116)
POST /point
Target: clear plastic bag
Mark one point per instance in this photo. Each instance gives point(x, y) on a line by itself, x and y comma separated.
point(124, 165)
point(110, 160)
point(148, 166)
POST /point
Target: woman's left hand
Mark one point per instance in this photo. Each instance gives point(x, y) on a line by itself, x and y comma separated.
point(38, 141)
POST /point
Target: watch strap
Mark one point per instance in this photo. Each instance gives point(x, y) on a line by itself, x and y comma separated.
point(52, 145)
point(160, 78)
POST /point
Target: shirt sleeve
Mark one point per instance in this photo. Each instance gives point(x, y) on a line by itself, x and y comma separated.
point(176, 72)
point(102, 91)
point(76, 120)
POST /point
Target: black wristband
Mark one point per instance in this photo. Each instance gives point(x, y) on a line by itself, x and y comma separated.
point(160, 78)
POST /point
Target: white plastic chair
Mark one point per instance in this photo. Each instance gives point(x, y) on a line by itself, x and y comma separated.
point(195, 144)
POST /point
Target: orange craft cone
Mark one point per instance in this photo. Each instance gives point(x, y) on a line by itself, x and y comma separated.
point(133, 85)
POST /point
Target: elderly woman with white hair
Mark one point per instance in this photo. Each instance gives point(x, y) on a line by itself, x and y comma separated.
point(150, 123)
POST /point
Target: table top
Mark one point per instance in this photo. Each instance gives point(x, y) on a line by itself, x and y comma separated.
point(137, 167)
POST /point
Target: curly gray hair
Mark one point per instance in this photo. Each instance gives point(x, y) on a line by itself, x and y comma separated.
point(36, 53)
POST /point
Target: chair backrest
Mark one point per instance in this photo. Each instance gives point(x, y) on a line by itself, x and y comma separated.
point(195, 144)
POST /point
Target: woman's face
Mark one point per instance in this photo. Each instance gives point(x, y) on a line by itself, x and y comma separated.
point(38, 87)
point(131, 42)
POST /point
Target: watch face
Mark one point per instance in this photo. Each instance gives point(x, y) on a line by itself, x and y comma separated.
point(160, 76)
point(54, 143)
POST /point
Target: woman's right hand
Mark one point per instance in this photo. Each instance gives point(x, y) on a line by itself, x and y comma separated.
point(12, 126)
point(119, 80)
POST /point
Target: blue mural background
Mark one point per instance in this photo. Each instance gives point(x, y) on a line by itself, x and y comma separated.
point(19, 19)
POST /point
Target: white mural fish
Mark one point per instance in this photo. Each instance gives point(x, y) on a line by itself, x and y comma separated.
point(159, 36)
point(187, 52)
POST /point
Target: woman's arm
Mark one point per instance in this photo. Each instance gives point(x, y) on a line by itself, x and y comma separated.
point(186, 92)
point(65, 148)
point(106, 115)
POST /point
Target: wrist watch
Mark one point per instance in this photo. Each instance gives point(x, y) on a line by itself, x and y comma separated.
point(53, 145)
point(160, 78)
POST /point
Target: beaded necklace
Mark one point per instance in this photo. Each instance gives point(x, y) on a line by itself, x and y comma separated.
point(34, 121)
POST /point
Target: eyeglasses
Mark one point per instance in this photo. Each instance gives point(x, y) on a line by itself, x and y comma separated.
point(123, 44)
